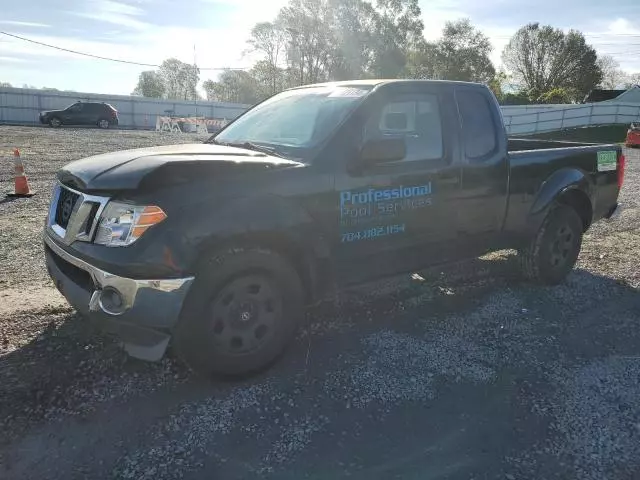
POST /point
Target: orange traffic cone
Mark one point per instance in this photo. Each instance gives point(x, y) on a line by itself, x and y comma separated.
point(21, 183)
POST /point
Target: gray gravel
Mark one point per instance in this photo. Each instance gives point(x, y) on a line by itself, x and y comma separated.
point(458, 372)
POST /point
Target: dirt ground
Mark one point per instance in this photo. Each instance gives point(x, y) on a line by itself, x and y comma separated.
point(463, 372)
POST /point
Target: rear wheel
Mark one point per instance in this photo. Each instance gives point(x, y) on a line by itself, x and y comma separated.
point(103, 123)
point(240, 314)
point(553, 252)
point(55, 122)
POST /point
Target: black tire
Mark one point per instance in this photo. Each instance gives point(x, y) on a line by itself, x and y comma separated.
point(553, 252)
point(240, 314)
point(55, 122)
point(104, 123)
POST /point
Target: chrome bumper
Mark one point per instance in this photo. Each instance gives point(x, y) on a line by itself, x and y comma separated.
point(140, 312)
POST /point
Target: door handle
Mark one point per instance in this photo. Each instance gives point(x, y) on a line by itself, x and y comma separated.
point(452, 178)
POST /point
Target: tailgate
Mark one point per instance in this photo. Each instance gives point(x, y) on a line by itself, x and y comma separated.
point(609, 175)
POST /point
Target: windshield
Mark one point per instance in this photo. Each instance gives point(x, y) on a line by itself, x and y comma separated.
point(299, 119)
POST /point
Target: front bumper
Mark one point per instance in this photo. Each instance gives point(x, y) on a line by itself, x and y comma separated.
point(140, 312)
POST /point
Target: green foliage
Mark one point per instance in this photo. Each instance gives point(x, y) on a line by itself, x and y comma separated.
point(515, 98)
point(592, 134)
point(150, 84)
point(556, 96)
point(313, 41)
point(180, 79)
point(542, 58)
point(173, 80)
point(496, 84)
point(233, 86)
point(463, 53)
point(319, 40)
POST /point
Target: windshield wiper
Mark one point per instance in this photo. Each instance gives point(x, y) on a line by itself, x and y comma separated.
point(252, 146)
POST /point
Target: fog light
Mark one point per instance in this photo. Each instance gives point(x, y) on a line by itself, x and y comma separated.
point(111, 301)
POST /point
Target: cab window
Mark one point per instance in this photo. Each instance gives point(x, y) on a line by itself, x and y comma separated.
point(414, 117)
point(478, 125)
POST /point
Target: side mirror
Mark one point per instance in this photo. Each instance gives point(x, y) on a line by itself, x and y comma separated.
point(383, 150)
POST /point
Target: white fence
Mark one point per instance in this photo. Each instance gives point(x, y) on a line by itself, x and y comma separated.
point(22, 106)
point(522, 120)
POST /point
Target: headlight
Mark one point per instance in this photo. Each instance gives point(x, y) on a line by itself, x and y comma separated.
point(121, 224)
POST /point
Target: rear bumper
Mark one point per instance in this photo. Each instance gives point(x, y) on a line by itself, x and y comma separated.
point(140, 312)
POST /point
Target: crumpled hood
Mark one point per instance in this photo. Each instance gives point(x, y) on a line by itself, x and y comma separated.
point(127, 169)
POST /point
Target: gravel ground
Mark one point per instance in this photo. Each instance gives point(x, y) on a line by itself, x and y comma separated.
point(459, 372)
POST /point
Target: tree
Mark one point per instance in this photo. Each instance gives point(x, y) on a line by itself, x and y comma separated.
point(336, 40)
point(612, 75)
point(542, 58)
point(632, 80)
point(556, 96)
point(269, 39)
point(398, 30)
point(180, 79)
point(354, 32)
point(515, 98)
point(233, 86)
point(311, 45)
point(268, 79)
point(463, 53)
point(497, 84)
point(150, 84)
point(422, 61)
point(5, 84)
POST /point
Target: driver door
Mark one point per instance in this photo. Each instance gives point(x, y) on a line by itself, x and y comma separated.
point(73, 114)
point(397, 216)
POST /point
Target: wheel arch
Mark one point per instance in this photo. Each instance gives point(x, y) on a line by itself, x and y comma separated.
point(307, 264)
point(567, 186)
point(273, 224)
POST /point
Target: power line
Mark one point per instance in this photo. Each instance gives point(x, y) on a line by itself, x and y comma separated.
point(587, 35)
point(99, 57)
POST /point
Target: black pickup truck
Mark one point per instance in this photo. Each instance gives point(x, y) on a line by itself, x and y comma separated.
point(218, 246)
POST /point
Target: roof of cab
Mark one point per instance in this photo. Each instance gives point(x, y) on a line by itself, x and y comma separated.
point(377, 82)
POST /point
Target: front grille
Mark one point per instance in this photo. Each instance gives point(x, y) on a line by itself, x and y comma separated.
point(87, 226)
point(66, 202)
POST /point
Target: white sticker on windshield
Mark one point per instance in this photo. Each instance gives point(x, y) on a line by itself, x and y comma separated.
point(348, 92)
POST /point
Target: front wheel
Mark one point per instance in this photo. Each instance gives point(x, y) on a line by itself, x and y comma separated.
point(241, 313)
point(55, 122)
point(553, 252)
point(103, 123)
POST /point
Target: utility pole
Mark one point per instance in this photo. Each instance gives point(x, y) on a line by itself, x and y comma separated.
point(195, 76)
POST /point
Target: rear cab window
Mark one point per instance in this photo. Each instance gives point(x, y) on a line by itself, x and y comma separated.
point(479, 133)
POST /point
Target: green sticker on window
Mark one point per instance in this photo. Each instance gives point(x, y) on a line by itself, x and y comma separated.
point(607, 160)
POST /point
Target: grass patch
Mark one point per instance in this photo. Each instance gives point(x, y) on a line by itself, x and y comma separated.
point(594, 134)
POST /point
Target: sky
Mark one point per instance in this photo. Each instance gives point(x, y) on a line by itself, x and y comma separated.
point(149, 31)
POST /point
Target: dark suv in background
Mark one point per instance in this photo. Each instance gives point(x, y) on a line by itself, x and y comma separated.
point(102, 115)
